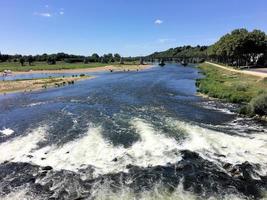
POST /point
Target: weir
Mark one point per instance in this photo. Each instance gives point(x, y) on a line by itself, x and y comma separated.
point(130, 135)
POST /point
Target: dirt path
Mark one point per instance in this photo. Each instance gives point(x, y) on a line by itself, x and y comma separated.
point(253, 73)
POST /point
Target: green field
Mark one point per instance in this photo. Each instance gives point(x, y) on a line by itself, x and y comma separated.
point(15, 66)
point(235, 88)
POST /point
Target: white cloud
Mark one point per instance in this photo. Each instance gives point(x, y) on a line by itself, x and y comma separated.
point(158, 21)
point(165, 40)
point(45, 14)
point(61, 12)
point(47, 6)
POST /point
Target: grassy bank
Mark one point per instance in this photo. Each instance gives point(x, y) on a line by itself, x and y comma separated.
point(15, 66)
point(42, 66)
point(37, 84)
point(235, 88)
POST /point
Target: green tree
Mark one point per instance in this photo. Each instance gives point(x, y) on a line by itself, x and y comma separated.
point(51, 60)
point(95, 57)
point(30, 60)
point(117, 57)
point(22, 61)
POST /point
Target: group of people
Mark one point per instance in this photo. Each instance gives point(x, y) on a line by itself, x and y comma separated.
point(7, 73)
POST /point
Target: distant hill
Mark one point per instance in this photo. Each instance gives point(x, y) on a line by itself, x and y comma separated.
point(184, 52)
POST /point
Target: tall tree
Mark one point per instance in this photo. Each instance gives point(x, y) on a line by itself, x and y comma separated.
point(22, 61)
point(95, 57)
point(117, 57)
point(30, 60)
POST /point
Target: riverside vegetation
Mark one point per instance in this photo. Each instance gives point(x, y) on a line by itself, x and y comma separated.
point(239, 49)
point(62, 61)
point(248, 90)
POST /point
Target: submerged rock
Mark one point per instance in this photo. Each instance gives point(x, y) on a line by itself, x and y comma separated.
point(47, 168)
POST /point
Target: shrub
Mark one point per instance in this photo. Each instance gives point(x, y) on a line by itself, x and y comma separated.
point(241, 87)
point(51, 61)
point(259, 104)
point(264, 80)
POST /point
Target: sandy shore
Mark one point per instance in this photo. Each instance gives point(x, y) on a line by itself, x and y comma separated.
point(85, 70)
point(38, 84)
point(43, 83)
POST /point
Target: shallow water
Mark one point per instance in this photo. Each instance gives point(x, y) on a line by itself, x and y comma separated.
point(47, 75)
point(129, 135)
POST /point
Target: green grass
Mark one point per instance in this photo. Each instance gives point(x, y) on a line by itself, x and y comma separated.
point(15, 66)
point(235, 88)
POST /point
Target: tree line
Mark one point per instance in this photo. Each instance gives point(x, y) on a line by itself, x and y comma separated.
point(189, 53)
point(67, 58)
point(238, 48)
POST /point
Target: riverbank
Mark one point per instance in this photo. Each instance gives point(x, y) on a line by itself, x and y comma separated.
point(63, 67)
point(42, 83)
point(38, 84)
point(235, 87)
point(114, 68)
point(36, 66)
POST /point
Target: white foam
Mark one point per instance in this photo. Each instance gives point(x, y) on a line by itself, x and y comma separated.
point(92, 149)
point(236, 148)
point(212, 106)
point(104, 192)
point(7, 131)
point(15, 149)
point(37, 104)
point(19, 195)
point(154, 148)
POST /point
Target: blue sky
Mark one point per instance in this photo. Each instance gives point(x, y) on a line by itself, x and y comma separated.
point(129, 27)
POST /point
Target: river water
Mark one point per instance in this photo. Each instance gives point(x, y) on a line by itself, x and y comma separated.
point(129, 135)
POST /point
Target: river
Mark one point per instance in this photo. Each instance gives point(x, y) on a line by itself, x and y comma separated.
point(129, 135)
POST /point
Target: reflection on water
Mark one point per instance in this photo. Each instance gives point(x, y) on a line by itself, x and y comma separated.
point(127, 135)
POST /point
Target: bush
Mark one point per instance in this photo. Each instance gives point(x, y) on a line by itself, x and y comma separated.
point(264, 80)
point(51, 61)
point(259, 104)
point(241, 87)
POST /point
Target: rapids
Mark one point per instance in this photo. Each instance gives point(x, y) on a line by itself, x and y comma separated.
point(129, 135)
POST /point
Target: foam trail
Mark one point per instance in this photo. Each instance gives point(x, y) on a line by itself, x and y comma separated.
point(7, 131)
point(154, 148)
point(19, 147)
point(104, 192)
point(235, 149)
point(19, 195)
point(93, 150)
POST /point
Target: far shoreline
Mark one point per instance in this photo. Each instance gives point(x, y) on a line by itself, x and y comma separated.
point(18, 86)
point(86, 70)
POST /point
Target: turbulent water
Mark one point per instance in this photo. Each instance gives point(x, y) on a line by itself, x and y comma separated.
point(129, 135)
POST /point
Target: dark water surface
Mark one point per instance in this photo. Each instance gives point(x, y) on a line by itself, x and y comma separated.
point(129, 135)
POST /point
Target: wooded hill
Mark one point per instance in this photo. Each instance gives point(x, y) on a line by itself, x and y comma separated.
point(238, 48)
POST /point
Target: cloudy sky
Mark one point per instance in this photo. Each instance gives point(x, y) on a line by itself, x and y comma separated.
point(129, 27)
